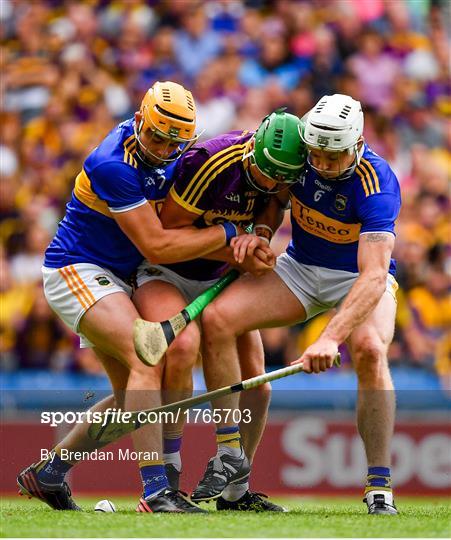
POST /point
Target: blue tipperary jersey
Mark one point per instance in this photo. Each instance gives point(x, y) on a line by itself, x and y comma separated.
point(327, 217)
point(113, 179)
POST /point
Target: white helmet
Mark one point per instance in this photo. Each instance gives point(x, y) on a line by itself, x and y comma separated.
point(335, 123)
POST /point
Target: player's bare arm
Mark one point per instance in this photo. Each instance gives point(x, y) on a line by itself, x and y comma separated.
point(374, 253)
point(160, 245)
point(175, 216)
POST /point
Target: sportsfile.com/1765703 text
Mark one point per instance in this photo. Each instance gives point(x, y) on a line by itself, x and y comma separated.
point(55, 418)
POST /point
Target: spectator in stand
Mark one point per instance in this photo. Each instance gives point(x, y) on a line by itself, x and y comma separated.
point(326, 64)
point(431, 226)
point(42, 141)
point(133, 53)
point(249, 33)
point(396, 24)
point(10, 220)
point(301, 100)
point(420, 126)
point(224, 15)
point(30, 74)
point(443, 361)
point(215, 111)
point(300, 20)
point(375, 70)
point(253, 108)
point(347, 28)
point(163, 65)
point(26, 265)
point(274, 65)
point(431, 307)
point(195, 43)
point(10, 135)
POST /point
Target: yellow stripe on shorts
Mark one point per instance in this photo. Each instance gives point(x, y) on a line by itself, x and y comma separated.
point(77, 286)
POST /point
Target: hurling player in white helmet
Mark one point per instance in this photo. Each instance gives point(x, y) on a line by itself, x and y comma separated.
point(343, 216)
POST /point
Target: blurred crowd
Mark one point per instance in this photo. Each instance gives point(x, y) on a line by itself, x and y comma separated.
point(71, 70)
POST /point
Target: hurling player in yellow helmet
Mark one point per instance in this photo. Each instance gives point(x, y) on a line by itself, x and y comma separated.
point(90, 267)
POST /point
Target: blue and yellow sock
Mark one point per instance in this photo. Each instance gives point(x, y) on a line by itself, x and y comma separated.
point(378, 479)
point(228, 440)
point(53, 470)
point(153, 477)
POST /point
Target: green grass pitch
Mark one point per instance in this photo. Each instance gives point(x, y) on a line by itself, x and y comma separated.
point(308, 517)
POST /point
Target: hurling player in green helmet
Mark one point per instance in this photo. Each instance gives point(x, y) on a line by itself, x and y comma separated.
point(236, 178)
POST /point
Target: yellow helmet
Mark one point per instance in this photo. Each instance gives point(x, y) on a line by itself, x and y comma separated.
point(168, 110)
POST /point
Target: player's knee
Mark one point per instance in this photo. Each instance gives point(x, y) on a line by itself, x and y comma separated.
point(264, 394)
point(184, 351)
point(370, 358)
point(216, 323)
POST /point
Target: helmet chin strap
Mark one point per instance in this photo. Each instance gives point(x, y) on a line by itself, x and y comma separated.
point(255, 185)
point(252, 182)
point(249, 178)
point(247, 159)
point(247, 155)
point(348, 172)
point(142, 149)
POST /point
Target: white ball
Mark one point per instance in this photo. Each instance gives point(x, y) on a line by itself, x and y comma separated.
point(105, 506)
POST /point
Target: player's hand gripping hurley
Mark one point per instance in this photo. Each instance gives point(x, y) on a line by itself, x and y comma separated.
point(113, 428)
point(152, 339)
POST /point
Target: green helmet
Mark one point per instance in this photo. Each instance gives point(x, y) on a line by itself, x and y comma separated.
point(279, 151)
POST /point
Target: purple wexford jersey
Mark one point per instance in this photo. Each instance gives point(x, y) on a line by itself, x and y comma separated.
point(210, 181)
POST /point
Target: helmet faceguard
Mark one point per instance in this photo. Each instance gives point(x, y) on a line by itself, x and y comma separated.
point(168, 111)
point(335, 124)
point(278, 151)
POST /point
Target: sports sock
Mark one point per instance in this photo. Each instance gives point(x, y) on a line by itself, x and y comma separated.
point(228, 440)
point(171, 452)
point(153, 477)
point(378, 479)
point(53, 470)
point(233, 492)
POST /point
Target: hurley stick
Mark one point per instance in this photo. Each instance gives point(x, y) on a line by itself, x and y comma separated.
point(115, 424)
point(152, 339)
